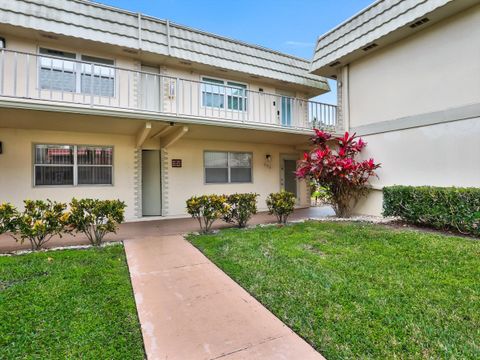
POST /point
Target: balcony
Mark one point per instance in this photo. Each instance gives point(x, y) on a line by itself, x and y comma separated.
point(70, 82)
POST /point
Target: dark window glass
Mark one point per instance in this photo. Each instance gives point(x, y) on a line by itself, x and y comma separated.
point(94, 175)
point(240, 175)
point(53, 175)
point(216, 175)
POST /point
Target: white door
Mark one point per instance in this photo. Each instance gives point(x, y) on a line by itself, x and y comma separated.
point(150, 88)
point(151, 183)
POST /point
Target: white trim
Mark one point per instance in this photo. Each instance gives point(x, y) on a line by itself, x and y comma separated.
point(466, 112)
point(41, 105)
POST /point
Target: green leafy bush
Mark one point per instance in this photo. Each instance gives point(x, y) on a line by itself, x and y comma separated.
point(444, 208)
point(206, 209)
point(241, 207)
point(96, 218)
point(8, 216)
point(39, 222)
point(281, 205)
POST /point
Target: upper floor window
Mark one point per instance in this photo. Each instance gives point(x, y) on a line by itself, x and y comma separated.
point(73, 165)
point(220, 93)
point(227, 167)
point(3, 43)
point(64, 71)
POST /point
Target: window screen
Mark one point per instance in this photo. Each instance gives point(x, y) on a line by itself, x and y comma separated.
point(94, 165)
point(73, 165)
point(236, 96)
point(240, 167)
point(61, 71)
point(97, 79)
point(216, 93)
point(227, 167)
point(54, 164)
point(56, 71)
point(216, 167)
point(213, 93)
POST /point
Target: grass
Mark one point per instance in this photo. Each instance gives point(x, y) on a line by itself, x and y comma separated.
point(358, 291)
point(68, 304)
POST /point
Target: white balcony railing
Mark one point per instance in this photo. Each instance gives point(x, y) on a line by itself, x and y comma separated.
point(71, 81)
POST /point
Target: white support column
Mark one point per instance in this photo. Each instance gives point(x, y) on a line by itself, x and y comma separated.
point(173, 137)
point(162, 132)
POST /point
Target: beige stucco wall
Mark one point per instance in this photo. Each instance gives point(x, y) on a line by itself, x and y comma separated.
point(189, 179)
point(16, 167)
point(439, 155)
point(434, 69)
point(16, 170)
point(400, 99)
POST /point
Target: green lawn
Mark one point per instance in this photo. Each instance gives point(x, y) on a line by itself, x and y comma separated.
point(361, 291)
point(68, 304)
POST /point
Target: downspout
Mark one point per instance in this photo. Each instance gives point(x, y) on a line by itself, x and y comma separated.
point(346, 96)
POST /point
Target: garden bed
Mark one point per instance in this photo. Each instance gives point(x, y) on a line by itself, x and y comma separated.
point(356, 290)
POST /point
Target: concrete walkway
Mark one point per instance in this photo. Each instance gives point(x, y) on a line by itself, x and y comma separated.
point(189, 309)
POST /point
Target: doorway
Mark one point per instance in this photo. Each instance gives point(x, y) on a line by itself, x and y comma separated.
point(285, 108)
point(150, 88)
point(288, 180)
point(151, 183)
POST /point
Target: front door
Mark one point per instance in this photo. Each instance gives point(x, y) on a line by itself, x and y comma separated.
point(288, 180)
point(151, 183)
point(150, 88)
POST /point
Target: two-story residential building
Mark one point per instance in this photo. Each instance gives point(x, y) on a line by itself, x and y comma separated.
point(408, 76)
point(104, 103)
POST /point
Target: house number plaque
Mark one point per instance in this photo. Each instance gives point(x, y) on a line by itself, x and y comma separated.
point(176, 163)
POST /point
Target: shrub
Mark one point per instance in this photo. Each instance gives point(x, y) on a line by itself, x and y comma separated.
point(241, 207)
point(8, 216)
point(39, 222)
point(281, 205)
point(343, 177)
point(206, 209)
point(444, 208)
point(96, 218)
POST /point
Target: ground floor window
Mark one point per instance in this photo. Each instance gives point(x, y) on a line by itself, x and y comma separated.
point(227, 167)
point(73, 165)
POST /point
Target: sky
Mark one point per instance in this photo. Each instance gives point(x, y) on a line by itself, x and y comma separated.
point(289, 26)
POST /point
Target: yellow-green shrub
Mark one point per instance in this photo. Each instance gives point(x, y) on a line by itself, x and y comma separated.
point(281, 205)
point(206, 209)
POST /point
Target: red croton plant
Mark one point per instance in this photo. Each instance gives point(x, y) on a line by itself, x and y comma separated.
point(332, 165)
